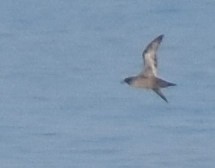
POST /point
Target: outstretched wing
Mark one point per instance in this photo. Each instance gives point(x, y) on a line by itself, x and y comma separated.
point(158, 91)
point(149, 56)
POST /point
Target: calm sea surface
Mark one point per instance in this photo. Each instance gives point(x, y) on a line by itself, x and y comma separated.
point(62, 103)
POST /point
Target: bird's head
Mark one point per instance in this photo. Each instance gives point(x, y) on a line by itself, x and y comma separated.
point(128, 80)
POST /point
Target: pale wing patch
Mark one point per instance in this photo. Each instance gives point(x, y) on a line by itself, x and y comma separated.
point(150, 64)
point(149, 56)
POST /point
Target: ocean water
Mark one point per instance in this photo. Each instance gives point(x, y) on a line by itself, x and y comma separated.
point(62, 103)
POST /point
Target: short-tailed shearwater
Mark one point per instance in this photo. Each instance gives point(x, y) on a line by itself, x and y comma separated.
point(148, 77)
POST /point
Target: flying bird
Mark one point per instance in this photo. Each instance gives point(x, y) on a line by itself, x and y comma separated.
point(148, 78)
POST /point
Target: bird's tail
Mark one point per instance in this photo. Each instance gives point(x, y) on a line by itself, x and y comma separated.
point(162, 83)
point(171, 84)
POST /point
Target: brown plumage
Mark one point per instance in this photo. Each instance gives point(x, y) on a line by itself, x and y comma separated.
point(148, 77)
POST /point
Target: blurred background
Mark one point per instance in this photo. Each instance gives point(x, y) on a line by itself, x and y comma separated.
point(62, 103)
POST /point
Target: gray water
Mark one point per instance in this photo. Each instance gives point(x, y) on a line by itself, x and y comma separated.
point(62, 103)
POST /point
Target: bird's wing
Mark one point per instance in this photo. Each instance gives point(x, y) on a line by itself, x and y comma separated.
point(149, 57)
point(158, 91)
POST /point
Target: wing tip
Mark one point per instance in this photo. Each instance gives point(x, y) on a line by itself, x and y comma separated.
point(158, 91)
point(160, 37)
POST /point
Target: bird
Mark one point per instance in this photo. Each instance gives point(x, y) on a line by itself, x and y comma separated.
point(148, 77)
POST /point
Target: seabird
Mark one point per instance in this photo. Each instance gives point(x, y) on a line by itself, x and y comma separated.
point(148, 78)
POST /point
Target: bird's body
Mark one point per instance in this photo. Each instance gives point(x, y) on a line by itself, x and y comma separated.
point(147, 82)
point(148, 77)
